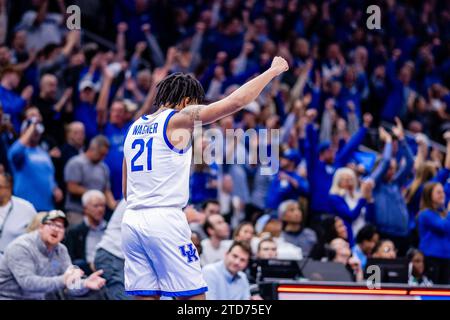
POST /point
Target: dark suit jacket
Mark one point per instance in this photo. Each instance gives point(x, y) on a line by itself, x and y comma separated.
point(75, 241)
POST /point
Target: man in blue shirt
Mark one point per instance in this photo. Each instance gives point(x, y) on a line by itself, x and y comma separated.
point(322, 161)
point(86, 111)
point(226, 279)
point(33, 170)
point(400, 88)
point(203, 183)
point(366, 240)
point(115, 130)
point(288, 185)
point(12, 103)
point(391, 213)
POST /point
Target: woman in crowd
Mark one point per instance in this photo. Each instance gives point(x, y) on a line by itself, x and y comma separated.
point(385, 249)
point(416, 269)
point(348, 203)
point(339, 252)
point(244, 232)
point(434, 231)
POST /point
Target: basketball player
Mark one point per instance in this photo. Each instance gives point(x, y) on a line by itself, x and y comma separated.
point(160, 259)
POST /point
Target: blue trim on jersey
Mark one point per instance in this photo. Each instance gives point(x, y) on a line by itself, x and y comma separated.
point(184, 293)
point(187, 293)
point(128, 130)
point(144, 293)
point(171, 147)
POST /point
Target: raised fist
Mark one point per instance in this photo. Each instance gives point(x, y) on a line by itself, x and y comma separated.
point(280, 65)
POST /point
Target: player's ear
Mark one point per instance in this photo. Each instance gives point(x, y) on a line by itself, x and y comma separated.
point(185, 102)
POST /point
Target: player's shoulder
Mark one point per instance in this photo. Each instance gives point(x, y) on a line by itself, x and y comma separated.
point(137, 121)
point(133, 125)
point(148, 119)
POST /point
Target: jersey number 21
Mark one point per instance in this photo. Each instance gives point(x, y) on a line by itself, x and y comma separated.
point(141, 146)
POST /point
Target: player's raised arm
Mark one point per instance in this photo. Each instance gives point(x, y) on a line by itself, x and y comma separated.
point(232, 103)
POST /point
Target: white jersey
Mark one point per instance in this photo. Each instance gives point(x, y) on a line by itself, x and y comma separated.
point(157, 172)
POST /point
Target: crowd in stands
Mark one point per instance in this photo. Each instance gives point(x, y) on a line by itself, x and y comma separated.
point(364, 154)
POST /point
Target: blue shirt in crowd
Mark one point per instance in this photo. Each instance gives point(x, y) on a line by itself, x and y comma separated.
point(281, 190)
point(13, 104)
point(414, 203)
point(340, 208)
point(200, 184)
point(391, 214)
point(320, 174)
point(113, 160)
point(398, 96)
point(434, 234)
point(33, 175)
point(87, 114)
point(360, 255)
point(222, 285)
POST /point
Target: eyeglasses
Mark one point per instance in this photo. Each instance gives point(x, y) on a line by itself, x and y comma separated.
point(387, 250)
point(55, 226)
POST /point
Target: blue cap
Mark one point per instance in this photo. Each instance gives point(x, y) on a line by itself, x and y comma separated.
point(324, 145)
point(292, 155)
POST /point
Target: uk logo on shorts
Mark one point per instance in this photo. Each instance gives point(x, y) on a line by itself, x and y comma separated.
point(190, 253)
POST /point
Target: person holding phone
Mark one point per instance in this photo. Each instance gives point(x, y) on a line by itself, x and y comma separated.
point(32, 168)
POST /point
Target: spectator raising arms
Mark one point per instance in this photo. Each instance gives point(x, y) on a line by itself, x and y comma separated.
point(345, 200)
point(322, 161)
point(391, 213)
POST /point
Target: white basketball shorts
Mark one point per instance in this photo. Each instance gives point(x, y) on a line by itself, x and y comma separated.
point(160, 258)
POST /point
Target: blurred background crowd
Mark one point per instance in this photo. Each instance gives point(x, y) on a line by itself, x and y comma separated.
point(363, 115)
